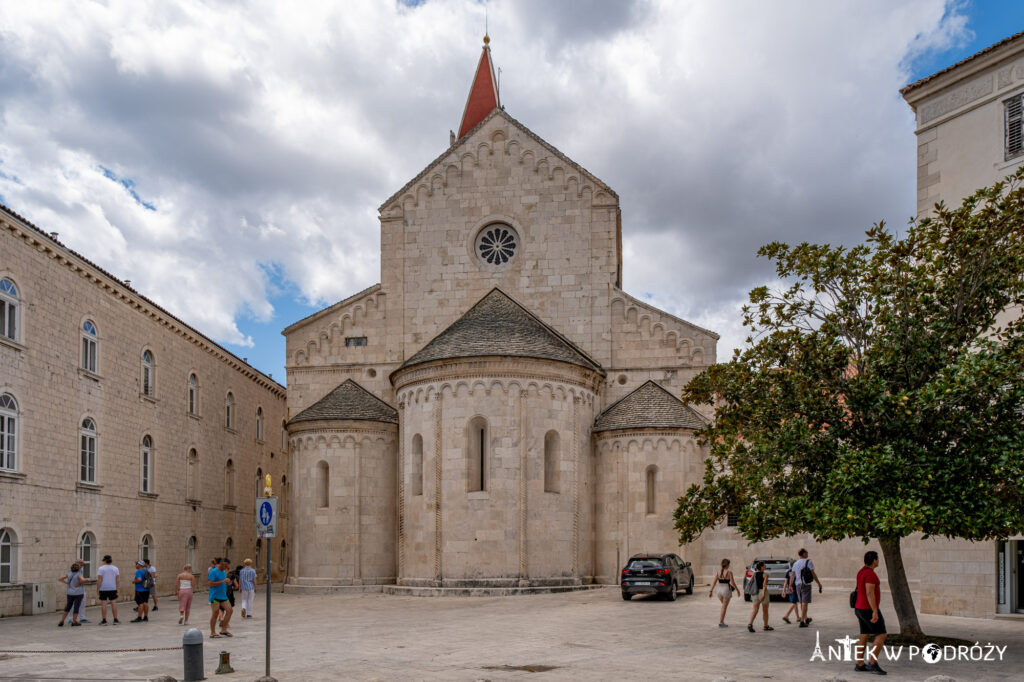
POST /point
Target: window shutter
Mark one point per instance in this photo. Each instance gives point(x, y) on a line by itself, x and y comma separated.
point(1014, 136)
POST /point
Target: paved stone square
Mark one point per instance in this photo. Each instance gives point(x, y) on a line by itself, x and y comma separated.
point(582, 635)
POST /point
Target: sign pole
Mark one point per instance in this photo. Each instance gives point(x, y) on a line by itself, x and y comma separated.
point(269, 584)
point(266, 528)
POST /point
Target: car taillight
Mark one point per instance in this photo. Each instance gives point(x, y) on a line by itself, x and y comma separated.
point(626, 571)
point(662, 571)
point(750, 573)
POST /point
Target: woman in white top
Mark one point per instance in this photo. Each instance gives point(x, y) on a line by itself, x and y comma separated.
point(183, 588)
point(723, 586)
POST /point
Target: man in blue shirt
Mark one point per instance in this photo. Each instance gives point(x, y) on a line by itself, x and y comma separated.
point(217, 579)
point(141, 593)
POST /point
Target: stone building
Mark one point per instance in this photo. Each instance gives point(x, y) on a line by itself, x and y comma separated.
point(970, 134)
point(123, 430)
point(496, 412)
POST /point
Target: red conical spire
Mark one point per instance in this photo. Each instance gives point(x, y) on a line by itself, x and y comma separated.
point(483, 95)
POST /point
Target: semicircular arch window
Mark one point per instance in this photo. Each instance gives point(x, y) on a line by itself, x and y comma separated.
point(497, 244)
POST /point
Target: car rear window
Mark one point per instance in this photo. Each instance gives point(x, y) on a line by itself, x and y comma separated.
point(640, 564)
point(775, 563)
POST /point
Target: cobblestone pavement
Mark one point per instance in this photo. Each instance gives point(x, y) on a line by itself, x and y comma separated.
point(590, 635)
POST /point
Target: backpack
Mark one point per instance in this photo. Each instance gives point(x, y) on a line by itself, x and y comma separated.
point(148, 583)
point(806, 574)
point(853, 599)
point(751, 587)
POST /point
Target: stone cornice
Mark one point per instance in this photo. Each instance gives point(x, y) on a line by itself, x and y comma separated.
point(529, 369)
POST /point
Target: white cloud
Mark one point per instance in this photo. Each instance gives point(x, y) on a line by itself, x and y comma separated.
point(265, 136)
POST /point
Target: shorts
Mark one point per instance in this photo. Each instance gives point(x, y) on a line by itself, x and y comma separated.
point(723, 591)
point(866, 626)
point(792, 598)
point(74, 601)
point(142, 597)
point(218, 601)
point(108, 595)
point(803, 593)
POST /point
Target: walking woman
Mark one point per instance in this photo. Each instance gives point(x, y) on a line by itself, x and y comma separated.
point(76, 593)
point(760, 599)
point(183, 588)
point(723, 586)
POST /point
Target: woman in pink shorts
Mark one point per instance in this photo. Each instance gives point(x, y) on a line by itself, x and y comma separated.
point(183, 587)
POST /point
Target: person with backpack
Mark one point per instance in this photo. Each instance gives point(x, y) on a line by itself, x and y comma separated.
point(805, 575)
point(152, 584)
point(757, 588)
point(872, 624)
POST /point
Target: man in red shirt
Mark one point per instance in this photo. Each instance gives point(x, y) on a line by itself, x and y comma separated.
point(872, 625)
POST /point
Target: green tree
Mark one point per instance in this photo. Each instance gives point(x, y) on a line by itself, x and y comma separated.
point(876, 396)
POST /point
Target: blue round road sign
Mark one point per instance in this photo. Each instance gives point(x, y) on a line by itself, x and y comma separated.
point(266, 513)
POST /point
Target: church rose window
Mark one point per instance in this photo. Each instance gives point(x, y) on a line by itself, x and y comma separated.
point(497, 244)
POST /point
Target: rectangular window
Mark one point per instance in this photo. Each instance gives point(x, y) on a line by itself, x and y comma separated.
point(88, 459)
point(88, 354)
point(732, 520)
point(1014, 120)
point(7, 443)
point(355, 341)
point(7, 311)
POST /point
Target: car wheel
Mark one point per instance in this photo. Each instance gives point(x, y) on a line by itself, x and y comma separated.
point(626, 596)
point(673, 592)
point(689, 588)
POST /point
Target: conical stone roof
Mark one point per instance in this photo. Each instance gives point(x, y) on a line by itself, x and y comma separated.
point(348, 401)
point(498, 326)
point(649, 407)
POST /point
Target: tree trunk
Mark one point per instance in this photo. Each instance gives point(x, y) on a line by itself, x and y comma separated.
point(902, 600)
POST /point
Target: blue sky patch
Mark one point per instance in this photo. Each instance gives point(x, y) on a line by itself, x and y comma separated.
point(129, 185)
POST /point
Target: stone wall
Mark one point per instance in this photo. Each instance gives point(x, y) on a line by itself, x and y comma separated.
point(44, 501)
point(513, 532)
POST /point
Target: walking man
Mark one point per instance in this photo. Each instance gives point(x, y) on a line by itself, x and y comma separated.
point(805, 574)
point(107, 576)
point(152, 583)
point(872, 625)
point(218, 582)
point(247, 584)
point(141, 593)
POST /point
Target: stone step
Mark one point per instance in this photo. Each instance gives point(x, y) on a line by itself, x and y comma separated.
point(291, 588)
point(482, 591)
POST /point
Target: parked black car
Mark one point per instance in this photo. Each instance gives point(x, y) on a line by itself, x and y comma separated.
point(664, 574)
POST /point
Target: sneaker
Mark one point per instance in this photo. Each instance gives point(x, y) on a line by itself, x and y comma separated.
point(243, 613)
point(808, 621)
point(135, 620)
point(721, 625)
point(117, 622)
point(60, 624)
point(768, 628)
point(145, 619)
point(76, 625)
point(251, 617)
point(787, 621)
point(750, 628)
point(83, 620)
point(103, 622)
point(861, 668)
point(181, 619)
point(875, 669)
point(156, 608)
point(804, 623)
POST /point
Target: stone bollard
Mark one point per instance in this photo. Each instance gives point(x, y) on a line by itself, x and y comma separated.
point(192, 645)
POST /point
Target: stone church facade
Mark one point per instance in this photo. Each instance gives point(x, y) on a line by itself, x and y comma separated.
point(497, 411)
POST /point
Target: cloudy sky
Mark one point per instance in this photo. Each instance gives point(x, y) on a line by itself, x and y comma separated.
point(229, 158)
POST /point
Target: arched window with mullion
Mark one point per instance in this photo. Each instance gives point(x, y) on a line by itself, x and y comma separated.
point(146, 484)
point(148, 386)
point(8, 558)
point(193, 394)
point(9, 310)
point(8, 432)
point(87, 472)
point(90, 346)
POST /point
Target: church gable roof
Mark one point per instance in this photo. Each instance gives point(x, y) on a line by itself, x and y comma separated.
point(348, 401)
point(498, 326)
point(452, 156)
point(649, 407)
point(483, 94)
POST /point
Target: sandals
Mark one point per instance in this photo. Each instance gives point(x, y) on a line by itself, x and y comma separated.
point(225, 633)
point(214, 636)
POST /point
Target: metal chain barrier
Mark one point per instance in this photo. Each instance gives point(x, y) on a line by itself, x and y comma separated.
point(86, 651)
